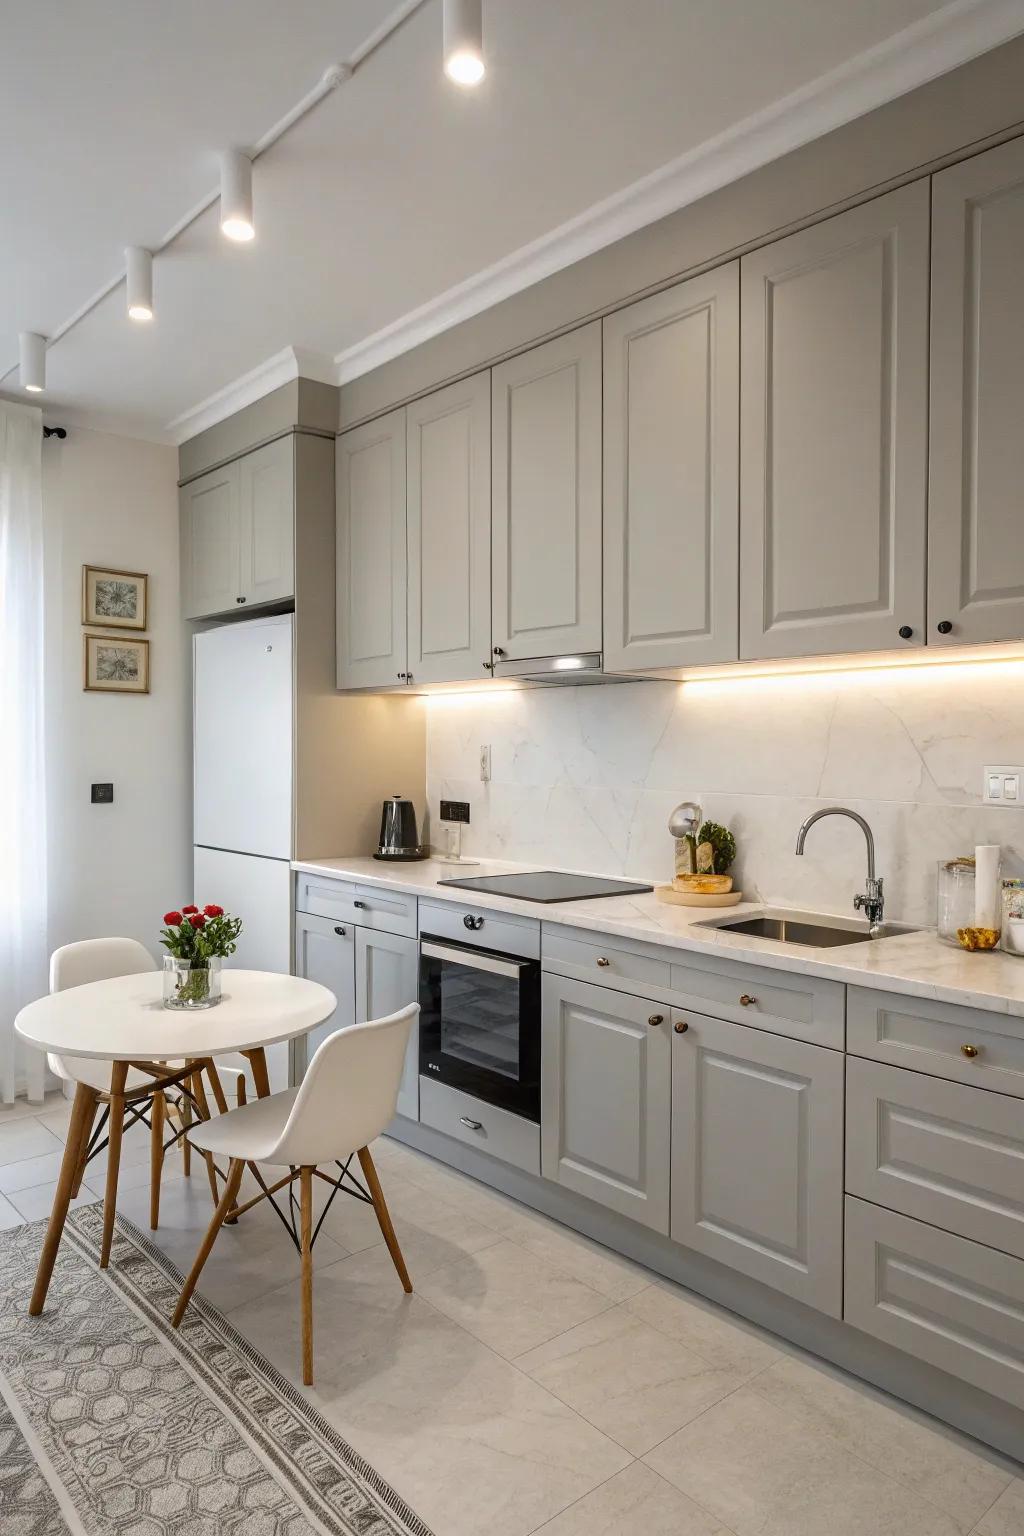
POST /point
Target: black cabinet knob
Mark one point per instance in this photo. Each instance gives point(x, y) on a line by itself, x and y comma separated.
point(944, 627)
point(340, 931)
point(239, 599)
point(905, 632)
point(498, 651)
point(472, 922)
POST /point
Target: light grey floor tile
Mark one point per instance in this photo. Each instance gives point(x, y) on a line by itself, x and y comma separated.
point(716, 1335)
point(10, 1216)
point(600, 1268)
point(38, 1201)
point(631, 1381)
point(136, 1175)
point(511, 1299)
point(57, 1119)
point(22, 1109)
point(472, 1443)
point(432, 1233)
point(943, 1467)
point(765, 1473)
point(1006, 1517)
point(636, 1502)
point(25, 1138)
point(43, 1169)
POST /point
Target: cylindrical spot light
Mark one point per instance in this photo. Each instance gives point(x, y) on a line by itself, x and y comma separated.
point(463, 41)
point(32, 361)
point(236, 195)
point(139, 263)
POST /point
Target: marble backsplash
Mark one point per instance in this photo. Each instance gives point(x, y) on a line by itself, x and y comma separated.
point(584, 778)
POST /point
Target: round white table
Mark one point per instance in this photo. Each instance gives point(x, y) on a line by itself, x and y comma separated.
point(123, 1021)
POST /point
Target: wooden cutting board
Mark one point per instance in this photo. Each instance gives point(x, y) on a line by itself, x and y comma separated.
point(674, 898)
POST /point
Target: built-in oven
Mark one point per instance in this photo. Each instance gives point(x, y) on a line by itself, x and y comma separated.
point(480, 1022)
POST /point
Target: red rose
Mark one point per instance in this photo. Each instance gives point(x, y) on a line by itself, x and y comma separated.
point(197, 920)
point(172, 919)
point(189, 910)
point(213, 911)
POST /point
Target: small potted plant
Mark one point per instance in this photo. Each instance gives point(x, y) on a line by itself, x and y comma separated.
point(196, 942)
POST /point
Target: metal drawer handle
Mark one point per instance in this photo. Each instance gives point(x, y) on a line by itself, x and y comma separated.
point(474, 923)
point(746, 1000)
point(970, 1051)
point(602, 961)
point(656, 1019)
point(681, 1027)
point(471, 1125)
point(340, 931)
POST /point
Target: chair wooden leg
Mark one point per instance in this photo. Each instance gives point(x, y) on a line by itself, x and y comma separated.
point(79, 1130)
point(158, 1118)
point(86, 1138)
point(306, 1235)
point(224, 1205)
point(383, 1215)
point(186, 1121)
point(115, 1127)
point(219, 1097)
point(204, 1110)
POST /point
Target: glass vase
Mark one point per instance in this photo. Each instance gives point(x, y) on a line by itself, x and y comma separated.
point(190, 983)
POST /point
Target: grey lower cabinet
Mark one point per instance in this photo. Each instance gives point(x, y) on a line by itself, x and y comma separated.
point(605, 1098)
point(238, 532)
point(546, 498)
point(757, 1155)
point(372, 633)
point(387, 979)
point(976, 447)
point(325, 951)
point(671, 470)
point(834, 433)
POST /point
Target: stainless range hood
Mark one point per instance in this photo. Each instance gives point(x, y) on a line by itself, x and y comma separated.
point(555, 671)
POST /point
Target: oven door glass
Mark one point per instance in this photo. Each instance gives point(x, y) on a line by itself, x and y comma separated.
point(480, 1023)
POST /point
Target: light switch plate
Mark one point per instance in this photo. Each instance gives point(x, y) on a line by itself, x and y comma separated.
point(1002, 786)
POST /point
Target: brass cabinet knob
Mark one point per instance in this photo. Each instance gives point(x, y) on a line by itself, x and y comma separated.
point(970, 1051)
point(746, 1000)
point(656, 1019)
point(680, 1026)
point(602, 962)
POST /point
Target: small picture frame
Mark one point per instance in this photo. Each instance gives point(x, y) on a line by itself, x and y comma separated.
point(115, 599)
point(116, 664)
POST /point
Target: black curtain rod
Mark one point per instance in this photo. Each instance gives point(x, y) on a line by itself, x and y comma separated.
point(60, 432)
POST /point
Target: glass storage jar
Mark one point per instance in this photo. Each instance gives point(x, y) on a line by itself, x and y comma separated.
point(955, 915)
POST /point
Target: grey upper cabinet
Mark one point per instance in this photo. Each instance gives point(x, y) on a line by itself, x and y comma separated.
point(671, 471)
point(757, 1155)
point(605, 1090)
point(238, 532)
point(387, 979)
point(371, 557)
point(833, 444)
point(325, 952)
point(546, 507)
point(975, 549)
point(449, 541)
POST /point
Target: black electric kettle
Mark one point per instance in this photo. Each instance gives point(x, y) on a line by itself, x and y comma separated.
point(399, 838)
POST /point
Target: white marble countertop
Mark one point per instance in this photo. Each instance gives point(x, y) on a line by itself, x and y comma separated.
point(918, 964)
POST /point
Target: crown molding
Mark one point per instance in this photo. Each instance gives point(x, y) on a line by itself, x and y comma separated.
point(931, 47)
point(288, 364)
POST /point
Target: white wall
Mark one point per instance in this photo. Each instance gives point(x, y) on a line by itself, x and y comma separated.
point(115, 869)
point(585, 778)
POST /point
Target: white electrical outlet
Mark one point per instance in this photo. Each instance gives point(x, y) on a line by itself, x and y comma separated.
point(1002, 786)
point(485, 765)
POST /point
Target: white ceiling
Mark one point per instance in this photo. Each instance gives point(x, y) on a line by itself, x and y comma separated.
point(395, 189)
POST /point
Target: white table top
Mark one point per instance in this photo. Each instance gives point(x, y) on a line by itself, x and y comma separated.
point(124, 1019)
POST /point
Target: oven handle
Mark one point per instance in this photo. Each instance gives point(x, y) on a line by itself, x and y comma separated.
point(476, 960)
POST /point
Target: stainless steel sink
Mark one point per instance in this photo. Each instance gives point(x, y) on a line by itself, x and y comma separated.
point(817, 930)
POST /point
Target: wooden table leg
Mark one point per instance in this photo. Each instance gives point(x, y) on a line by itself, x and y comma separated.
point(156, 1155)
point(257, 1060)
point(215, 1083)
point(82, 1113)
point(204, 1110)
point(186, 1121)
point(115, 1127)
point(306, 1230)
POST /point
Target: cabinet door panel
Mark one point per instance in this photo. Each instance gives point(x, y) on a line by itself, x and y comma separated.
point(546, 508)
point(210, 579)
point(976, 553)
point(371, 559)
point(757, 1156)
point(326, 952)
point(834, 433)
point(449, 505)
point(266, 518)
point(671, 469)
point(387, 979)
point(605, 1088)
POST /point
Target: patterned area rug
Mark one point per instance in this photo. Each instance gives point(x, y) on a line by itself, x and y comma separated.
point(112, 1424)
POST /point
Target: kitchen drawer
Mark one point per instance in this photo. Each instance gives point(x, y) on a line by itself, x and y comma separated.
point(503, 931)
point(369, 906)
point(949, 1155)
point(618, 963)
point(507, 1137)
point(969, 1045)
point(940, 1298)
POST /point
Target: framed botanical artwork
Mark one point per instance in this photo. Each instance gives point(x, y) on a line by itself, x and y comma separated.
point(115, 599)
point(116, 664)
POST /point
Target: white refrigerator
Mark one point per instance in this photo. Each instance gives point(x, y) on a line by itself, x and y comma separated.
point(242, 817)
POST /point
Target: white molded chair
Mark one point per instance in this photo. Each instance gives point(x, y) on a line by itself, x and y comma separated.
point(345, 1100)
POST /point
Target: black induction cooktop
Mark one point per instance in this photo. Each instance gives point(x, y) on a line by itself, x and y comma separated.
point(549, 885)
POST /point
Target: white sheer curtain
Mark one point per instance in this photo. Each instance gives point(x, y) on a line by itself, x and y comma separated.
point(23, 946)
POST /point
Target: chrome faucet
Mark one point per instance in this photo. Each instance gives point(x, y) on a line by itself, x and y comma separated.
point(870, 901)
